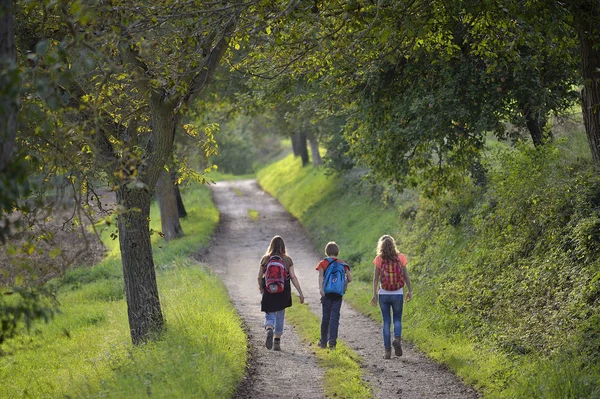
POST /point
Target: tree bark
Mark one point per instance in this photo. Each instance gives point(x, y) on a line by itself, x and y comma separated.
point(9, 84)
point(302, 147)
point(585, 18)
point(314, 150)
point(167, 202)
point(180, 206)
point(535, 122)
point(143, 304)
point(295, 145)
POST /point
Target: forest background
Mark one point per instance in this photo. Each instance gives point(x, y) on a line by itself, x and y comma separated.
point(476, 122)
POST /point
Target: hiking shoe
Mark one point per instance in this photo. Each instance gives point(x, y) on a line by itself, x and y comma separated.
point(388, 353)
point(397, 346)
point(269, 342)
point(277, 344)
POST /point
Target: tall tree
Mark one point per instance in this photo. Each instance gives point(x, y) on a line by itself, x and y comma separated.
point(9, 84)
point(125, 95)
point(167, 202)
point(586, 17)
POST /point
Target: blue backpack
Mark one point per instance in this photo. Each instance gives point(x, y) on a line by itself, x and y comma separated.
point(334, 281)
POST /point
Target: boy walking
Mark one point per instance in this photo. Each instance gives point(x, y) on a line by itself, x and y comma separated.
point(334, 276)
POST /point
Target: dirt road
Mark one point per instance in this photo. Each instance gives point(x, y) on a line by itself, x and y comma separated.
point(237, 247)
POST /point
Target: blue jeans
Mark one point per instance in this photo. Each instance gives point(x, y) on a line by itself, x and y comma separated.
point(330, 320)
point(275, 319)
point(393, 303)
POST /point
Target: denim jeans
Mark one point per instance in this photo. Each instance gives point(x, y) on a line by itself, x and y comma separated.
point(330, 320)
point(393, 303)
point(275, 319)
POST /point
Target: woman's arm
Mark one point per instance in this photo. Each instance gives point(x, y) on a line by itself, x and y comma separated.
point(296, 283)
point(407, 295)
point(375, 286)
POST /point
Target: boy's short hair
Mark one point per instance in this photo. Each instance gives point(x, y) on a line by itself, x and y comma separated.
point(332, 249)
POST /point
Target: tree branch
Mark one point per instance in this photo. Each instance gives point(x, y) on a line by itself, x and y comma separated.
point(212, 61)
point(144, 75)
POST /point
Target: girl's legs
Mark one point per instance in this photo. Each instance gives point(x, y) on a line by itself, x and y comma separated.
point(270, 319)
point(279, 319)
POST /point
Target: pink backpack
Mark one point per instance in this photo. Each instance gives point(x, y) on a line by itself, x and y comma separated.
point(275, 274)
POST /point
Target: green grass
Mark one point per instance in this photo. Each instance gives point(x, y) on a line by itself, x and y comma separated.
point(343, 376)
point(253, 214)
point(86, 350)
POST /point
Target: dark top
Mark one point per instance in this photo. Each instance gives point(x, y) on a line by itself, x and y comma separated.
point(277, 302)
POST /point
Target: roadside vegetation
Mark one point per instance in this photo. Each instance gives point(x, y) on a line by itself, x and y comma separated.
point(86, 351)
point(505, 272)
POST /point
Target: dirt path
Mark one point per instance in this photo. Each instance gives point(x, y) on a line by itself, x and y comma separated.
point(238, 244)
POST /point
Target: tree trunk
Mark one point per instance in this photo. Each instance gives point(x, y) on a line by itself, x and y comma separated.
point(167, 202)
point(535, 122)
point(302, 147)
point(585, 19)
point(9, 84)
point(180, 207)
point(143, 304)
point(314, 150)
point(295, 145)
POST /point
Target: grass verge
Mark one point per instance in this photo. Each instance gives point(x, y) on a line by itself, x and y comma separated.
point(343, 376)
point(86, 351)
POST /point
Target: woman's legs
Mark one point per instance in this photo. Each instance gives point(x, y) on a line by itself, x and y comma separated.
point(385, 306)
point(397, 303)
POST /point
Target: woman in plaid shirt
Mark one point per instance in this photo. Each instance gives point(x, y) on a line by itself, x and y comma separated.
point(389, 278)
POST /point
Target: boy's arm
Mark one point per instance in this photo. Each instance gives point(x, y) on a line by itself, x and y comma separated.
point(348, 275)
point(321, 278)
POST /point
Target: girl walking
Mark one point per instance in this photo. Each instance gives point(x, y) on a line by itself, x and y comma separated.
point(390, 276)
point(275, 272)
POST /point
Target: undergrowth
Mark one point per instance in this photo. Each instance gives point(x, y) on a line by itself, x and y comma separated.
point(506, 276)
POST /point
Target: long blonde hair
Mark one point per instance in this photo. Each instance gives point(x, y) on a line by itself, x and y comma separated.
point(386, 248)
point(276, 247)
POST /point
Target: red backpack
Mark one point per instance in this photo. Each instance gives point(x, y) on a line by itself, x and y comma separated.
point(275, 274)
point(391, 277)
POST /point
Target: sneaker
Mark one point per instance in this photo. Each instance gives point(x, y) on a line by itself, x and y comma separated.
point(388, 353)
point(332, 346)
point(397, 346)
point(269, 342)
point(277, 344)
point(322, 345)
